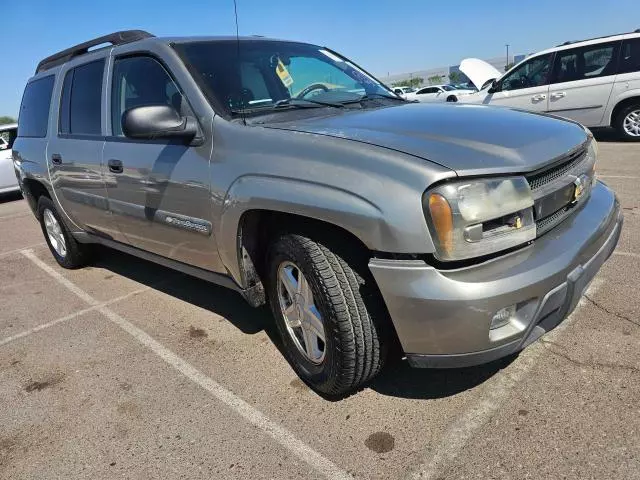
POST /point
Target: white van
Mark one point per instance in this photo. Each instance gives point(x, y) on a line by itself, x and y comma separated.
point(595, 82)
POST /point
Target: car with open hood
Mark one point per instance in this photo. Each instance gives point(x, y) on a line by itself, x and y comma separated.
point(595, 82)
point(372, 226)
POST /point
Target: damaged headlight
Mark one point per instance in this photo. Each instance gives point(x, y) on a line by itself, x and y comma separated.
point(478, 217)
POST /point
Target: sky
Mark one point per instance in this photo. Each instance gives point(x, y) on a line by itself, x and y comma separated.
point(380, 35)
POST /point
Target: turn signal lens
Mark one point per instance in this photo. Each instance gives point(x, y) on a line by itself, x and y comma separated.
point(442, 221)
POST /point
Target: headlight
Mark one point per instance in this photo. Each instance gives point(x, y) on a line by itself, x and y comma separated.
point(478, 217)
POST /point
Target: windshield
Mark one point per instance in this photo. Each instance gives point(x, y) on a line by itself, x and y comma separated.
point(408, 90)
point(447, 88)
point(265, 75)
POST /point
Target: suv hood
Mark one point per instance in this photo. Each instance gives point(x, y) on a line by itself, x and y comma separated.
point(469, 139)
point(479, 71)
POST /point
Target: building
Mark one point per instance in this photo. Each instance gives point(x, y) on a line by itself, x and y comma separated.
point(444, 72)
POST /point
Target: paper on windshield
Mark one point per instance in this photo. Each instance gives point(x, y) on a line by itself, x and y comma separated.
point(283, 73)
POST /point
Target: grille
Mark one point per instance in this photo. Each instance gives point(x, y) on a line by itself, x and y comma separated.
point(547, 223)
point(541, 178)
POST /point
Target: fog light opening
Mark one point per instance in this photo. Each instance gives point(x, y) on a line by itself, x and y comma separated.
point(502, 317)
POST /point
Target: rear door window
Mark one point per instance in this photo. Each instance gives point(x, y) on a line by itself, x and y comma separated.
point(587, 62)
point(630, 56)
point(34, 110)
point(81, 102)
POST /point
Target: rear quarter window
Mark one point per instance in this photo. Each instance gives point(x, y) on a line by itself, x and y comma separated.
point(34, 110)
point(630, 56)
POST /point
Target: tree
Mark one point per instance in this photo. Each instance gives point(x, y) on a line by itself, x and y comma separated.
point(410, 82)
point(435, 79)
point(5, 120)
point(508, 67)
point(455, 77)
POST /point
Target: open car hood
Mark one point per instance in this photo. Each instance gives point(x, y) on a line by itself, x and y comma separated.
point(479, 71)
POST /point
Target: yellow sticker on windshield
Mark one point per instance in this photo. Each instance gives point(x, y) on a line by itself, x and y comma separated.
point(283, 73)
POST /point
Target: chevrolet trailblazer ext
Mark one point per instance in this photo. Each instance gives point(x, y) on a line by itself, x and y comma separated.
point(286, 172)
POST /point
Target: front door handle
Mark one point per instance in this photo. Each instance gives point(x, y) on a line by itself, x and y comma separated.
point(56, 159)
point(115, 166)
point(559, 95)
point(538, 98)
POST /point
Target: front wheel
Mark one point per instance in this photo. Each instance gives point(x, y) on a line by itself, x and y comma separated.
point(452, 99)
point(328, 316)
point(627, 123)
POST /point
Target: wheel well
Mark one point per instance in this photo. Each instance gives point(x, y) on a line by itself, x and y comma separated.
point(452, 98)
point(620, 106)
point(257, 228)
point(33, 190)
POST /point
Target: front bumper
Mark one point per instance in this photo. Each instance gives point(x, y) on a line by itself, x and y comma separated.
point(442, 318)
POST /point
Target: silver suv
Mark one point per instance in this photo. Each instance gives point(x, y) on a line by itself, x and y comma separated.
point(282, 170)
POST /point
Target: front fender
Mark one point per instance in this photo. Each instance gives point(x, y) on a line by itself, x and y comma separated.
point(388, 228)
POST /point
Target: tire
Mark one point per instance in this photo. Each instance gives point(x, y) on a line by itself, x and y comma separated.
point(622, 126)
point(74, 254)
point(452, 99)
point(350, 309)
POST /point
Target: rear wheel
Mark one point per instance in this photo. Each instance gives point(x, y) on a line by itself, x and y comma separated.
point(452, 99)
point(65, 249)
point(329, 316)
point(628, 123)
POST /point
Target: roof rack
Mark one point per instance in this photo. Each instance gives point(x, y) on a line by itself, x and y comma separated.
point(116, 38)
point(594, 38)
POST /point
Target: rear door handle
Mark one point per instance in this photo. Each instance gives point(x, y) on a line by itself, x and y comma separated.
point(559, 95)
point(537, 98)
point(115, 166)
point(56, 159)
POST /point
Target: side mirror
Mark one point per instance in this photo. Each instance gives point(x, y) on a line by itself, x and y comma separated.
point(158, 121)
point(495, 87)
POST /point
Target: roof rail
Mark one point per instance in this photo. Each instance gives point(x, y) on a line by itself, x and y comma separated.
point(116, 38)
point(594, 38)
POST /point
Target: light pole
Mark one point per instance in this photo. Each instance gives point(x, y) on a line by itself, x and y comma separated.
point(507, 45)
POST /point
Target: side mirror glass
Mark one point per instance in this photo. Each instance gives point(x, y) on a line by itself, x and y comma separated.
point(158, 121)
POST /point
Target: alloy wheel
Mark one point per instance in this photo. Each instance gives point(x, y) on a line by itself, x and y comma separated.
point(302, 318)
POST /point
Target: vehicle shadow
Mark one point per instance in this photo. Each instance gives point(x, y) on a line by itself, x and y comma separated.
point(398, 379)
point(219, 300)
point(10, 197)
point(401, 380)
point(606, 135)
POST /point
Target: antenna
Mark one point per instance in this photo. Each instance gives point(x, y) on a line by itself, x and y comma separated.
point(235, 12)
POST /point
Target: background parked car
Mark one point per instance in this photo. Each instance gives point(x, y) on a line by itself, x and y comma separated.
point(403, 91)
point(8, 181)
point(595, 82)
point(438, 93)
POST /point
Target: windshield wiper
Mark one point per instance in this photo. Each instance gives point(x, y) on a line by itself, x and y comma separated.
point(304, 103)
point(372, 96)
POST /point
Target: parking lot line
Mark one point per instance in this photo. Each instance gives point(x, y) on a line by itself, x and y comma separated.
point(19, 250)
point(616, 176)
point(494, 394)
point(252, 415)
point(627, 254)
point(71, 316)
